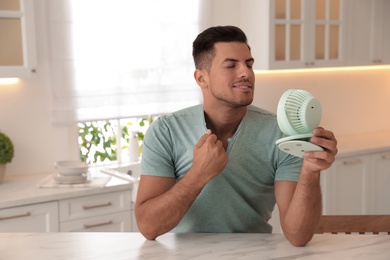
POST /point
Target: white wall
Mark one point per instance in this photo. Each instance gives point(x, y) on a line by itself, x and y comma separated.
point(25, 116)
point(353, 102)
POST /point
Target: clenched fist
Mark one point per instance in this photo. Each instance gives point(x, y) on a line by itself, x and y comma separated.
point(210, 157)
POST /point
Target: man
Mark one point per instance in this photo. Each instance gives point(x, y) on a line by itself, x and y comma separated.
point(215, 167)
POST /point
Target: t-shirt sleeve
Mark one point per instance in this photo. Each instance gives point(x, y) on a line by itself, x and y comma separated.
point(289, 168)
point(157, 151)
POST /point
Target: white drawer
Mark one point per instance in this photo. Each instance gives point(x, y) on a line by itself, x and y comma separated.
point(91, 206)
point(116, 222)
point(41, 217)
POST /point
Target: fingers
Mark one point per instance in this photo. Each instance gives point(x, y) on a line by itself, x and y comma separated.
point(325, 139)
point(210, 157)
point(203, 139)
point(210, 138)
point(321, 160)
point(326, 134)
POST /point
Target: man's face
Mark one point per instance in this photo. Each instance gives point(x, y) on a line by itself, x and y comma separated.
point(231, 78)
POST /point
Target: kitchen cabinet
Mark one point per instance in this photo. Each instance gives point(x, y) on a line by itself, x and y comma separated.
point(357, 185)
point(17, 45)
point(369, 34)
point(106, 212)
point(117, 222)
point(378, 183)
point(42, 217)
point(286, 34)
point(343, 185)
point(24, 207)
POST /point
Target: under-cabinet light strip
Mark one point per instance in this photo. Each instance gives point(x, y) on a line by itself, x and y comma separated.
point(331, 69)
point(8, 81)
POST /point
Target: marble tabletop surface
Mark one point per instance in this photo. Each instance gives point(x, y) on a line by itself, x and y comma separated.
point(189, 246)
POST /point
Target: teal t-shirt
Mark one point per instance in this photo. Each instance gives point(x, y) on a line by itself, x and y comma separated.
point(241, 198)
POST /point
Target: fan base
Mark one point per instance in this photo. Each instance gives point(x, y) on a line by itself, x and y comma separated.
point(297, 145)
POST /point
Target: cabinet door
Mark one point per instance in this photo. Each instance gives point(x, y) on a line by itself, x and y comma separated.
point(359, 32)
point(378, 180)
point(345, 185)
point(32, 218)
point(307, 34)
point(117, 222)
point(327, 35)
point(386, 32)
point(368, 32)
point(288, 33)
point(380, 52)
point(91, 206)
point(17, 44)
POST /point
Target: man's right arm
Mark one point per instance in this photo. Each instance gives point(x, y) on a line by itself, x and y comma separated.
point(162, 203)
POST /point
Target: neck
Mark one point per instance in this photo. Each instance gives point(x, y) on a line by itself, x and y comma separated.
point(224, 122)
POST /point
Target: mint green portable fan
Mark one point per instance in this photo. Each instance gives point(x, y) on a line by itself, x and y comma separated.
point(298, 113)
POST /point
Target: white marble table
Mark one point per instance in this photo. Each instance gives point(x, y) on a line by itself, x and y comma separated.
point(189, 246)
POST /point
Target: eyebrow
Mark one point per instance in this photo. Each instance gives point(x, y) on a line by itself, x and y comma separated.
point(235, 60)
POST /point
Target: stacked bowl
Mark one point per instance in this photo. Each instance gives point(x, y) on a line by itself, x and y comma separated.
point(71, 172)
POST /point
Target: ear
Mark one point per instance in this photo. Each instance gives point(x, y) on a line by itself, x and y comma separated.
point(201, 78)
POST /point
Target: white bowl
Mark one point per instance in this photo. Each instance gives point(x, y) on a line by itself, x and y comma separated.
point(71, 167)
point(70, 179)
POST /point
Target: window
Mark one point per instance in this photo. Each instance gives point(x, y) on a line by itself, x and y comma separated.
point(120, 58)
point(115, 62)
point(105, 141)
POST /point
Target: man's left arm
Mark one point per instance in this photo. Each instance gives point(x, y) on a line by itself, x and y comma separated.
point(300, 203)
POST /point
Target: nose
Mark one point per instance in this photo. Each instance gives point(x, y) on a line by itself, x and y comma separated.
point(245, 72)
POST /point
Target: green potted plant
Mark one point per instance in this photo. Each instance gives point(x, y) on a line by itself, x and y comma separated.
point(6, 153)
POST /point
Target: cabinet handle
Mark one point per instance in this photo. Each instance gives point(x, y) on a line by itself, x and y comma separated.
point(98, 224)
point(386, 156)
point(16, 216)
point(351, 162)
point(97, 206)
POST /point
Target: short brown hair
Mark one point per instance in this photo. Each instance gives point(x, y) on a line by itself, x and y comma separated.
point(203, 47)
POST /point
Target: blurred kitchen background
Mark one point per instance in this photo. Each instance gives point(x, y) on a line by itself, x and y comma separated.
point(355, 99)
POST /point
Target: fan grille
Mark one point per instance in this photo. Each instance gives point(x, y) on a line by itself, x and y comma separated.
point(295, 108)
point(298, 112)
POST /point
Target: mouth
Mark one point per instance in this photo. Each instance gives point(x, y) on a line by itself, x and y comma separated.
point(243, 85)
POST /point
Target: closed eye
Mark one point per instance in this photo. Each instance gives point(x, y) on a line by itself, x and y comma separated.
point(231, 63)
point(250, 62)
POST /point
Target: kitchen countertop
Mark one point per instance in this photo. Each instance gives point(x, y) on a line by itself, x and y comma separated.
point(350, 145)
point(189, 246)
point(20, 190)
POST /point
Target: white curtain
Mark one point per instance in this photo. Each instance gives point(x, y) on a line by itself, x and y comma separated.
point(121, 58)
